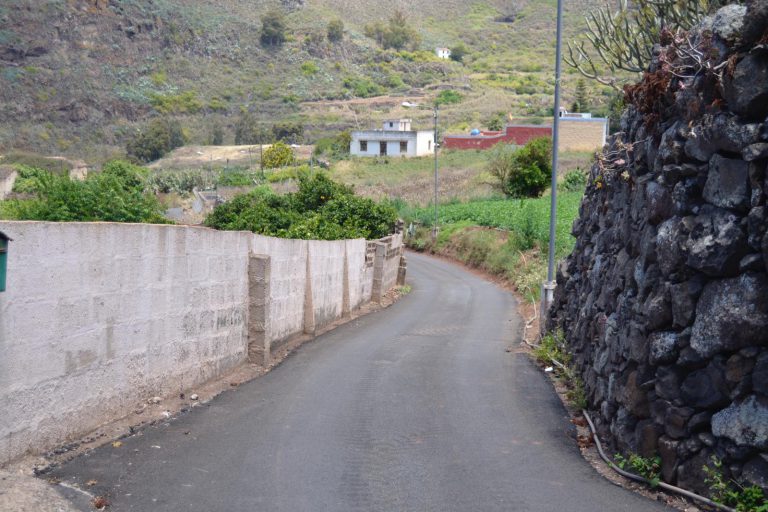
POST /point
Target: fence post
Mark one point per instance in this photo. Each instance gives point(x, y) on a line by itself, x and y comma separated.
point(259, 273)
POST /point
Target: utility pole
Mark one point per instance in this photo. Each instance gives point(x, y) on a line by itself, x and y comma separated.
point(434, 228)
point(548, 288)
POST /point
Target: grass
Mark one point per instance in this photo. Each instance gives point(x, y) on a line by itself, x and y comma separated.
point(506, 238)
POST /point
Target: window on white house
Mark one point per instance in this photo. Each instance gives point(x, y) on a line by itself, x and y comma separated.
point(403, 146)
point(364, 145)
point(391, 125)
point(429, 145)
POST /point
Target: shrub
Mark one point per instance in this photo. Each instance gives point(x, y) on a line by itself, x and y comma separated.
point(335, 30)
point(161, 136)
point(396, 34)
point(363, 87)
point(321, 209)
point(448, 97)
point(28, 178)
point(247, 130)
point(458, 52)
point(273, 28)
point(309, 68)
point(523, 172)
point(574, 181)
point(182, 103)
point(336, 147)
point(288, 132)
point(117, 194)
point(278, 154)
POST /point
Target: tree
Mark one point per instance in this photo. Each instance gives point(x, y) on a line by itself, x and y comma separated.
point(522, 172)
point(288, 132)
point(273, 28)
point(161, 136)
point(623, 39)
point(247, 130)
point(496, 122)
point(278, 154)
point(396, 34)
point(335, 30)
point(581, 103)
point(217, 134)
point(458, 52)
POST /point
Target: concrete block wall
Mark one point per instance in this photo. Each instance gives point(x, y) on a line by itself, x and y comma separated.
point(100, 316)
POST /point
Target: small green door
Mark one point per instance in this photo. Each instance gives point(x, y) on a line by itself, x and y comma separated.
point(3, 259)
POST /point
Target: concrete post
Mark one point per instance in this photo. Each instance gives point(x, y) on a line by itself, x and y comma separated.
point(378, 272)
point(401, 271)
point(259, 271)
point(309, 305)
point(345, 306)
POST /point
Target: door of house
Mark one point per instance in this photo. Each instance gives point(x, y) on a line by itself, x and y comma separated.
point(383, 148)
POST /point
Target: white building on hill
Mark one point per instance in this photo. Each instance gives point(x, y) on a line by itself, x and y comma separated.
point(443, 53)
point(395, 139)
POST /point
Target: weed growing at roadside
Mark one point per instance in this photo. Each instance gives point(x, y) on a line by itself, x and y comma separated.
point(731, 493)
point(552, 347)
point(648, 468)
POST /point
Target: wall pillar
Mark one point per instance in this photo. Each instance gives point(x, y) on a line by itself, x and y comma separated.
point(378, 272)
point(309, 305)
point(401, 270)
point(345, 303)
point(259, 271)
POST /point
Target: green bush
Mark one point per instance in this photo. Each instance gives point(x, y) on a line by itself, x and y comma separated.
point(321, 209)
point(248, 131)
point(288, 173)
point(28, 178)
point(273, 28)
point(730, 492)
point(117, 194)
point(278, 154)
point(335, 147)
point(161, 136)
point(448, 97)
point(309, 68)
point(574, 181)
point(363, 87)
point(335, 30)
point(523, 172)
point(288, 131)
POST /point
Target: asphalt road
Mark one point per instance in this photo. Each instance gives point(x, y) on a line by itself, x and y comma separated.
point(415, 408)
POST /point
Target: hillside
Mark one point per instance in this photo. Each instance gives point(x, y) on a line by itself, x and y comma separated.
point(77, 77)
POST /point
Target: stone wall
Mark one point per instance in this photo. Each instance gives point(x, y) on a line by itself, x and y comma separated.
point(100, 316)
point(664, 300)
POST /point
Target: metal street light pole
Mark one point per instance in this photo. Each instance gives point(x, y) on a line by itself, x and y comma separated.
point(548, 288)
point(434, 228)
point(435, 114)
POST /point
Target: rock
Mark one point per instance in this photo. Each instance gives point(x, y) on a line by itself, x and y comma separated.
point(647, 435)
point(751, 263)
point(754, 152)
point(684, 296)
point(634, 397)
point(663, 347)
point(675, 421)
point(756, 471)
point(725, 133)
point(699, 421)
point(760, 374)
point(728, 22)
point(731, 314)
point(705, 388)
point(669, 461)
point(155, 400)
point(657, 309)
point(745, 423)
point(690, 474)
point(689, 447)
point(193, 397)
point(716, 243)
point(747, 90)
point(728, 183)
point(737, 368)
point(754, 22)
point(659, 203)
point(670, 250)
point(707, 439)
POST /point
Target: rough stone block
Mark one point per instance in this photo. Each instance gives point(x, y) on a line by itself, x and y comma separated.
point(745, 423)
point(728, 183)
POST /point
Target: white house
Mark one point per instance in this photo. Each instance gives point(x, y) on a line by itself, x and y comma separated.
point(443, 53)
point(395, 139)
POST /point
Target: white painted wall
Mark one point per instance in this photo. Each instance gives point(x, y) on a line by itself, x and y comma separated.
point(418, 143)
point(7, 179)
point(100, 316)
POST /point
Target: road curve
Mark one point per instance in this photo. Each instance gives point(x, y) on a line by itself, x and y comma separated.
point(415, 408)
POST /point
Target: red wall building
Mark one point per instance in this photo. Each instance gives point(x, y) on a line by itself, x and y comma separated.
point(516, 134)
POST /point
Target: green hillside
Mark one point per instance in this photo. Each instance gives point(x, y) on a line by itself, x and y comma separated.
point(78, 77)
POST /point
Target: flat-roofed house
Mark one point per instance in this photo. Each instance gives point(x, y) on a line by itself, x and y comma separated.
point(396, 138)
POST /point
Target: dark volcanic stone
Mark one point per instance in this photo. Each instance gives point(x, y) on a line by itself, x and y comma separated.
point(669, 461)
point(727, 183)
point(725, 133)
point(745, 423)
point(663, 347)
point(731, 314)
point(705, 388)
point(747, 91)
point(716, 243)
point(760, 374)
point(690, 474)
point(675, 421)
point(669, 245)
point(755, 152)
point(756, 471)
point(659, 202)
point(754, 22)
